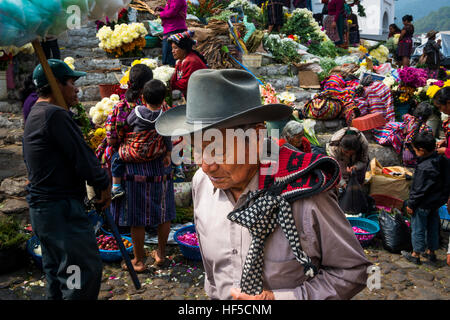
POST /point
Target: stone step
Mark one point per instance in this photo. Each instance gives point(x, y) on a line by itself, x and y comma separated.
point(9, 106)
point(92, 64)
point(279, 83)
point(11, 162)
point(277, 70)
point(10, 120)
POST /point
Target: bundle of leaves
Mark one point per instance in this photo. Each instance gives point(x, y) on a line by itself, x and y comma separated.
point(11, 235)
point(252, 11)
point(326, 63)
point(81, 118)
point(302, 24)
point(283, 49)
point(224, 15)
point(205, 8)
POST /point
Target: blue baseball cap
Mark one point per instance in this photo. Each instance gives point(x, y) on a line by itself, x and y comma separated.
point(59, 68)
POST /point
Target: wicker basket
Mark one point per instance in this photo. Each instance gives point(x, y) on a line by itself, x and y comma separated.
point(252, 60)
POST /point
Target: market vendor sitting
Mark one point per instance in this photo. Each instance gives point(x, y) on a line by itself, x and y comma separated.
point(294, 135)
point(188, 60)
point(351, 149)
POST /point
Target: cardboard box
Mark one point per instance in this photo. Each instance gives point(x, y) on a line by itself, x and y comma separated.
point(308, 79)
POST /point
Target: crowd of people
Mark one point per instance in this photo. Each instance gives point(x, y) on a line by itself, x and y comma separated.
point(283, 221)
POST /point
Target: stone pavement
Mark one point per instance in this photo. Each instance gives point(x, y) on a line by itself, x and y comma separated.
point(182, 279)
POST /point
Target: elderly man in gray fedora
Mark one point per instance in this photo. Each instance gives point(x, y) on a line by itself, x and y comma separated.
point(269, 228)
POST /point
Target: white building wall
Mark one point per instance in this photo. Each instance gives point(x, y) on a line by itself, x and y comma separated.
point(379, 15)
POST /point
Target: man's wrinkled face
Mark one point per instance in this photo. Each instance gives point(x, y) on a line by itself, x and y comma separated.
point(70, 92)
point(223, 166)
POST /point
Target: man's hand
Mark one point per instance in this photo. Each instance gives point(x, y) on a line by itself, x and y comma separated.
point(409, 211)
point(105, 198)
point(351, 169)
point(238, 295)
point(441, 150)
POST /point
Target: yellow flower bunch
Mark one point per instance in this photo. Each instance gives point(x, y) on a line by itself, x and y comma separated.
point(27, 49)
point(124, 37)
point(406, 94)
point(264, 6)
point(363, 49)
point(97, 137)
point(381, 54)
point(349, 21)
point(432, 91)
point(151, 63)
point(70, 62)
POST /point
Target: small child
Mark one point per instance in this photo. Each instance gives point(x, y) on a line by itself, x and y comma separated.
point(429, 191)
point(142, 118)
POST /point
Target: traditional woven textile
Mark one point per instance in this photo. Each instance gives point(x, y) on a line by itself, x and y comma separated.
point(142, 146)
point(323, 107)
point(299, 175)
point(446, 127)
point(377, 98)
point(399, 133)
point(336, 85)
point(182, 35)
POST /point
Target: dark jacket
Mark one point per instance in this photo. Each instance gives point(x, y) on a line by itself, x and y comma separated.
point(430, 188)
point(432, 50)
point(58, 160)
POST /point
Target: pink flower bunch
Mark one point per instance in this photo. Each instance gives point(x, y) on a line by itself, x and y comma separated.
point(189, 238)
point(439, 83)
point(268, 94)
point(413, 77)
point(362, 237)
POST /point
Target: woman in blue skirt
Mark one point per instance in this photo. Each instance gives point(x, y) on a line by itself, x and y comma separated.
point(149, 198)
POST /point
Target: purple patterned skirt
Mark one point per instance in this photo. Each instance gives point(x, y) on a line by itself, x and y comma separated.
point(149, 199)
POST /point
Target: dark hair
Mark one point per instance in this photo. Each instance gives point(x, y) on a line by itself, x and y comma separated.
point(187, 44)
point(424, 140)
point(28, 88)
point(395, 27)
point(140, 74)
point(154, 92)
point(350, 141)
point(442, 96)
point(423, 111)
point(46, 90)
point(408, 18)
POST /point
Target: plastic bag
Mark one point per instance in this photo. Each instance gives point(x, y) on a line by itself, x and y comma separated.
point(395, 233)
point(155, 28)
point(354, 200)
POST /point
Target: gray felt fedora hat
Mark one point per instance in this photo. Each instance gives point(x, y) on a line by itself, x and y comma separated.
point(219, 99)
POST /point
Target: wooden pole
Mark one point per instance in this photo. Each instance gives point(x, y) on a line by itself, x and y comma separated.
point(49, 74)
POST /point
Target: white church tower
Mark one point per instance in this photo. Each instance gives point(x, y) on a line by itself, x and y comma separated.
point(379, 15)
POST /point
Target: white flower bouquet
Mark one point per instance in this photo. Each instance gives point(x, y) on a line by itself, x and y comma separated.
point(100, 111)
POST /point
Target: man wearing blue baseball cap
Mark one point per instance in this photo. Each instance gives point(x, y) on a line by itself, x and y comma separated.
point(59, 163)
